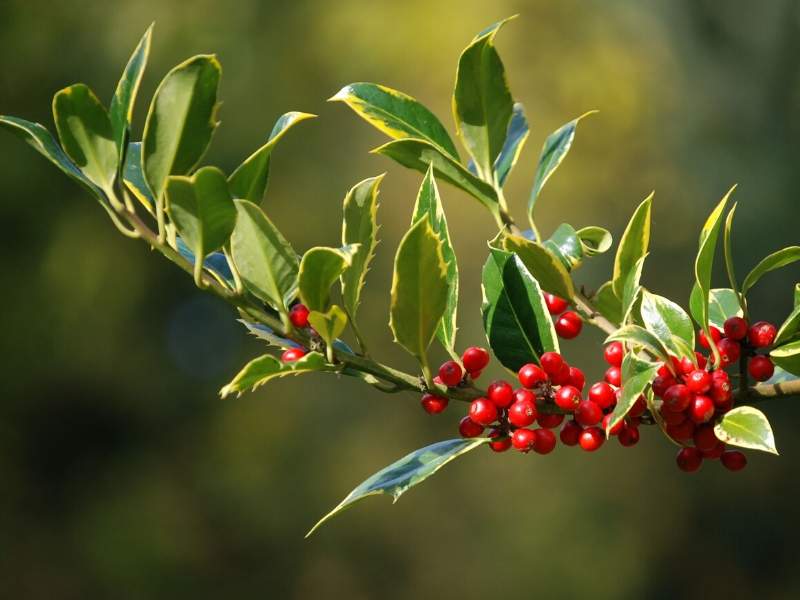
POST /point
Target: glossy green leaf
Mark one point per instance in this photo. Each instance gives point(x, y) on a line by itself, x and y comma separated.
point(407, 472)
point(631, 290)
point(121, 110)
point(633, 244)
point(328, 324)
point(515, 316)
point(359, 226)
point(396, 114)
point(727, 248)
point(553, 152)
point(787, 357)
point(249, 180)
point(595, 240)
point(723, 303)
point(421, 155)
point(776, 260)
point(746, 427)
point(636, 376)
point(266, 262)
point(429, 205)
point(518, 131)
point(264, 368)
point(320, 268)
point(133, 177)
point(607, 303)
point(482, 102)
point(639, 336)
point(548, 270)
point(86, 136)
point(419, 289)
point(667, 321)
point(202, 209)
point(791, 326)
point(181, 120)
point(780, 376)
point(566, 245)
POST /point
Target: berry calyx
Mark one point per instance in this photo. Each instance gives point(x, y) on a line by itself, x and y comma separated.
point(544, 441)
point(555, 304)
point(551, 363)
point(614, 376)
point(451, 373)
point(591, 439)
point(499, 445)
point(698, 381)
point(735, 328)
point(292, 355)
point(588, 413)
point(523, 439)
point(567, 398)
point(522, 413)
point(761, 334)
point(469, 428)
point(570, 433)
point(613, 354)
point(483, 411)
point(501, 394)
point(689, 459)
point(760, 368)
point(569, 325)
point(298, 315)
point(733, 460)
point(603, 395)
point(531, 375)
point(677, 398)
point(433, 404)
point(475, 360)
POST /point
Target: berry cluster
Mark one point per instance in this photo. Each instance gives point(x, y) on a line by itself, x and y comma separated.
point(568, 323)
point(298, 315)
point(695, 397)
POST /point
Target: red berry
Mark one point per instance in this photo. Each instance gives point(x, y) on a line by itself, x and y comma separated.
point(735, 328)
point(501, 394)
point(701, 360)
point(760, 368)
point(698, 381)
point(705, 438)
point(677, 398)
point(531, 375)
point(701, 409)
point(613, 354)
point(482, 411)
point(555, 304)
point(682, 432)
point(475, 374)
point(721, 389)
point(570, 433)
point(521, 394)
point(475, 359)
point(562, 377)
point(522, 413)
point(451, 373)
point(588, 413)
point(614, 376)
point(602, 394)
point(670, 417)
point(762, 334)
point(729, 351)
point(523, 439)
point(716, 335)
point(544, 441)
point(638, 408)
point(734, 460)
point(686, 366)
point(569, 325)
point(616, 428)
point(549, 421)
point(576, 378)
point(629, 436)
point(499, 445)
point(591, 439)
point(551, 363)
point(298, 315)
point(689, 459)
point(292, 355)
point(469, 428)
point(567, 398)
point(662, 383)
point(715, 452)
point(433, 404)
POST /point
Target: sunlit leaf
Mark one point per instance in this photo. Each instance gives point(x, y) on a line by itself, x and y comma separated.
point(791, 325)
point(607, 303)
point(641, 337)
point(264, 368)
point(566, 245)
point(723, 303)
point(746, 427)
point(776, 260)
point(667, 321)
point(636, 376)
point(633, 244)
point(595, 240)
point(548, 270)
point(787, 357)
point(320, 268)
point(515, 139)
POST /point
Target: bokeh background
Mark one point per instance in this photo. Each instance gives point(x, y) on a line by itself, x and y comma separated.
point(122, 474)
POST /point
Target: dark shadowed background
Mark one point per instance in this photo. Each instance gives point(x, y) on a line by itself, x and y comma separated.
point(123, 475)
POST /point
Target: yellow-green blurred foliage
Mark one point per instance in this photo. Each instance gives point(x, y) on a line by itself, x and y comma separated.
point(124, 476)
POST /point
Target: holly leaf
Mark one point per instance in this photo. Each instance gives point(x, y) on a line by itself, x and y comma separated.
point(518, 131)
point(594, 240)
point(566, 245)
point(787, 357)
point(405, 473)
point(723, 303)
point(746, 427)
point(791, 325)
point(668, 322)
point(328, 324)
point(320, 268)
point(639, 336)
point(633, 244)
point(636, 376)
point(776, 260)
point(727, 249)
point(548, 270)
point(607, 303)
point(265, 368)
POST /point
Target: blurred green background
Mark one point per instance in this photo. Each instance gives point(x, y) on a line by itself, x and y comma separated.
point(123, 475)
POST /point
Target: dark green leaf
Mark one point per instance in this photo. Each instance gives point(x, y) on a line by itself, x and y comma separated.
point(667, 321)
point(249, 180)
point(746, 427)
point(515, 139)
point(566, 245)
point(396, 114)
point(181, 120)
point(548, 270)
point(636, 376)
point(633, 244)
point(791, 325)
point(776, 260)
point(133, 176)
point(264, 368)
point(320, 268)
point(515, 315)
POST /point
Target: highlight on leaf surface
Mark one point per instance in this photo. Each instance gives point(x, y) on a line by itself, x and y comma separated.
point(265, 368)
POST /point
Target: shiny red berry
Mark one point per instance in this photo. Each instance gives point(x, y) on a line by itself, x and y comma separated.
point(701, 409)
point(531, 375)
point(500, 393)
point(735, 328)
point(569, 325)
point(705, 438)
point(698, 381)
point(638, 408)
point(591, 439)
point(576, 378)
point(522, 413)
point(670, 417)
point(733, 460)
point(588, 413)
point(563, 375)
point(523, 439)
point(292, 355)
point(760, 368)
point(475, 359)
point(551, 363)
point(555, 304)
point(451, 373)
point(682, 432)
point(523, 394)
point(499, 445)
point(603, 395)
point(298, 315)
point(714, 453)
point(613, 354)
point(662, 383)
point(433, 404)
point(474, 374)
point(615, 429)
point(549, 421)
point(482, 411)
point(469, 428)
point(614, 376)
point(567, 398)
point(677, 398)
point(570, 433)
point(729, 351)
point(544, 441)
point(689, 459)
point(629, 436)
point(761, 334)
point(716, 335)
